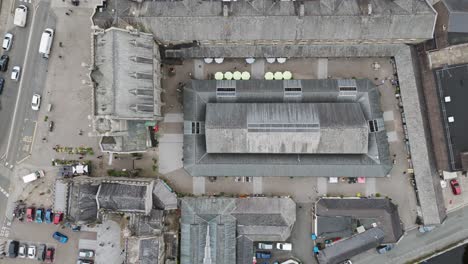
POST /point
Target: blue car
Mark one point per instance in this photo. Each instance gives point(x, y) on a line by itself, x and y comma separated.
point(48, 216)
point(39, 215)
point(263, 255)
point(60, 237)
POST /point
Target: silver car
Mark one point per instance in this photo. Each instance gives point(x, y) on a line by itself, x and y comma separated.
point(15, 73)
point(36, 102)
point(7, 41)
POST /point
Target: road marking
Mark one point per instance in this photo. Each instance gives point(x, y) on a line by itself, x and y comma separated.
point(4, 192)
point(28, 46)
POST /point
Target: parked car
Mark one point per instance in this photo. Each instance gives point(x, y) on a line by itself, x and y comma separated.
point(30, 214)
point(32, 252)
point(84, 261)
point(57, 217)
point(267, 246)
point(4, 63)
point(2, 83)
point(39, 215)
point(263, 255)
point(41, 252)
point(49, 258)
point(36, 102)
point(455, 187)
point(60, 237)
point(284, 246)
point(7, 41)
point(86, 253)
point(346, 262)
point(15, 73)
point(48, 216)
point(13, 249)
point(22, 250)
point(384, 248)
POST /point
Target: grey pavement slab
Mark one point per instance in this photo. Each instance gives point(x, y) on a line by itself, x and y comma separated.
point(198, 69)
point(388, 116)
point(258, 69)
point(370, 186)
point(257, 185)
point(109, 249)
point(171, 152)
point(198, 185)
point(174, 118)
point(322, 186)
point(322, 69)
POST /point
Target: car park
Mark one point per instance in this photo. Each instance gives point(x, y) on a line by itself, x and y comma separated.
point(15, 73)
point(41, 252)
point(60, 237)
point(284, 246)
point(39, 215)
point(2, 83)
point(49, 258)
point(263, 255)
point(57, 217)
point(86, 253)
point(13, 249)
point(22, 250)
point(48, 216)
point(36, 102)
point(32, 252)
point(4, 63)
point(267, 246)
point(7, 41)
point(455, 187)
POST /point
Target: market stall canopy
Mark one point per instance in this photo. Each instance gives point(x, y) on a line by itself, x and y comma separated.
point(245, 75)
point(278, 76)
point(219, 60)
point(271, 60)
point(287, 75)
point(269, 76)
point(208, 60)
point(228, 75)
point(237, 75)
point(281, 60)
point(250, 60)
point(219, 76)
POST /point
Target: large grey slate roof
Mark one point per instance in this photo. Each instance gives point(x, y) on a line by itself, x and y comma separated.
point(458, 16)
point(265, 20)
point(286, 128)
point(125, 197)
point(345, 249)
point(375, 163)
point(226, 227)
point(379, 211)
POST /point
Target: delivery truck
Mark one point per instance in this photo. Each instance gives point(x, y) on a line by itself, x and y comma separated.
point(33, 176)
point(21, 15)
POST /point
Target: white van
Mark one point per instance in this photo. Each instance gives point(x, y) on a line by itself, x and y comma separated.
point(46, 42)
point(21, 14)
point(33, 176)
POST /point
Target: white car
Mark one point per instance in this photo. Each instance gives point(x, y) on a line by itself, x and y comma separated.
point(22, 251)
point(32, 252)
point(7, 40)
point(15, 73)
point(266, 246)
point(284, 246)
point(36, 102)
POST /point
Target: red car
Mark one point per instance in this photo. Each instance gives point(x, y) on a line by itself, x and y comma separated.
point(455, 187)
point(30, 214)
point(57, 218)
point(49, 258)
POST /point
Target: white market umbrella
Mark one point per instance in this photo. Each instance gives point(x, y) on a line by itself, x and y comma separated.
point(245, 75)
point(228, 75)
point(237, 75)
point(250, 60)
point(281, 60)
point(278, 76)
point(219, 60)
point(208, 60)
point(219, 76)
point(271, 60)
point(287, 75)
point(269, 76)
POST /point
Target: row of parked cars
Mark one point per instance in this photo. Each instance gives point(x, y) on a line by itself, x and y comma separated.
point(263, 247)
point(84, 256)
point(22, 250)
point(40, 215)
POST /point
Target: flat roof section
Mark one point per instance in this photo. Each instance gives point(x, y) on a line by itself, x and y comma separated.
point(286, 128)
point(452, 85)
